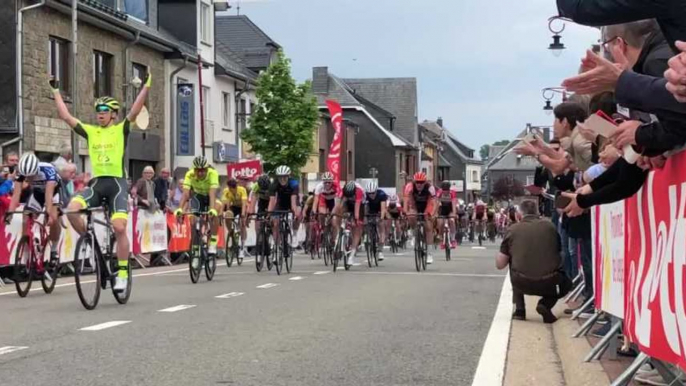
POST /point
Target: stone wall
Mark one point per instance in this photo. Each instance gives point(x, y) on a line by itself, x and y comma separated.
point(43, 131)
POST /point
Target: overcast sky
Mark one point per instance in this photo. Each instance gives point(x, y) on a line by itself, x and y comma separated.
point(479, 64)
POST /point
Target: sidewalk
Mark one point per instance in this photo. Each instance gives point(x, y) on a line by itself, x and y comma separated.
point(544, 354)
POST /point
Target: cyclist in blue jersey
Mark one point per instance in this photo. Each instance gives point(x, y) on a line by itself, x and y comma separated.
point(376, 205)
point(37, 186)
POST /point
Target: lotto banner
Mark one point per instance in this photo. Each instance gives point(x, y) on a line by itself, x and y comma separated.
point(250, 169)
point(655, 272)
point(608, 228)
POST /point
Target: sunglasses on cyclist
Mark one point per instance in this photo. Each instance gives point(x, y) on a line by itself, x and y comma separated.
point(102, 109)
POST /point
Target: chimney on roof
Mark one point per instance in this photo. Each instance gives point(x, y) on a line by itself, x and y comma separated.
point(439, 121)
point(320, 80)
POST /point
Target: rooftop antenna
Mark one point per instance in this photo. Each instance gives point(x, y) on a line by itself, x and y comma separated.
point(238, 8)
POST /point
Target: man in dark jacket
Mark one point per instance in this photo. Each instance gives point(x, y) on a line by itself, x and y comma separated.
point(162, 188)
point(670, 14)
point(534, 271)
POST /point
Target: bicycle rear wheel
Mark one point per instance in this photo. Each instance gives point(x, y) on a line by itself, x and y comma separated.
point(195, 259)
point(23, 267)
point(347, 243)
point(425, 250)
point(368, 248)
point(120, 297)
point(52, 268)
point(259, 251)
point(375, 247)
point(87, 271)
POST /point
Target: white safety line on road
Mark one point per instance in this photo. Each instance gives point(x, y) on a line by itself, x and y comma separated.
point(491, 368)
point(429, 274)
point(230, 295)
point(478, 247)
point(11, 349)
point(106, 325)
point(180, 307)
point(268, 285)
point(321, 272)
point(296, 278)
point(171, 271)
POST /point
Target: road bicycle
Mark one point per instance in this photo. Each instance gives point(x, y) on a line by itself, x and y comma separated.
point(32, 259)
point(283, 250)
point(233, 245)
point(264, 242)
point(199, 254)
point(344, 240)
point(420, 248)
point(97, 264)
point(371, 239)
point(445, 235)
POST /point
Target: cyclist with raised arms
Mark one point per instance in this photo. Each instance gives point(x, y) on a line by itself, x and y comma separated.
point(419, 197)
point(106, 148)
point(200, 187)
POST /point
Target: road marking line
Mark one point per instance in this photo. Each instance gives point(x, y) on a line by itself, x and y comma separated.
point(135, 275)
point(103, 326)
point(296, 278)
point(230, 295)
point(491, 368)
point(180, 307)
point(429, 274)
point(11, 349)
point(478, 247)
point(268, 285)
point(321, 272)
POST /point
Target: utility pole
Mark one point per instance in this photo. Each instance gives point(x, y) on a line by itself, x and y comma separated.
point(74, 88)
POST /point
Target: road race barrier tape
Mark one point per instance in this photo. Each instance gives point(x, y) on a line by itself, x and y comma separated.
point(640, 263)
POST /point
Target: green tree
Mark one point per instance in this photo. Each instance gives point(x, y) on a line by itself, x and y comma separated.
point(282, 127)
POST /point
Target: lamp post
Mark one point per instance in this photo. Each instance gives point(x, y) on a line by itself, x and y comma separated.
point(548, 95)
point(556, 47)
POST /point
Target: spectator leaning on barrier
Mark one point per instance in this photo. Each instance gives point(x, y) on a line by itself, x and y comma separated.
point(534, 271)
point(162, 188)
point(145, 190)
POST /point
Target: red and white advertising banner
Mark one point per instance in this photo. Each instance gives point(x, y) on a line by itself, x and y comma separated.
point(655, 272)
point(608, 227)
point(250, 169)
point(333, 163)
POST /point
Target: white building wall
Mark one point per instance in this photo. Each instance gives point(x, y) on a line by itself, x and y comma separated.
point(473, 177)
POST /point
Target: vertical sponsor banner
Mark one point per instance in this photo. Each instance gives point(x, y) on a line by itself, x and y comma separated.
point(655, 312)
point(608, 228)
point(151, 231)
point(333, 163)
point(185, 119)
point(180, 240)
point(9, 238)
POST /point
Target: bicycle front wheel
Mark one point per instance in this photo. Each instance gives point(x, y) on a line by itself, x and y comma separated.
point(290, 252)
point(23, 267)
point(229, 249)
point(279, 257)
point(418, 250)
point(52, 269)
point(210, 266)
point(446, 243)
point(87, 271)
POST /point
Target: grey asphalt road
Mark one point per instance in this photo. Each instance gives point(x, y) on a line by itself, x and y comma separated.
point(387, 325)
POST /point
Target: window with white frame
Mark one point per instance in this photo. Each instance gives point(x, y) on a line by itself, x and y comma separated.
point(226, 111)
point(475, 176)
point(205, 23)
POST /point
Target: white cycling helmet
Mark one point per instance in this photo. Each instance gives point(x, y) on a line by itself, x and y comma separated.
point(372, 187)
point(28, 165)
point(393, 199)
point(283, 170)
point(327, 177)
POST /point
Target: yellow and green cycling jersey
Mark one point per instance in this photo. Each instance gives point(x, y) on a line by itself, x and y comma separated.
point(236, 197)
point(201, 187)
point(106, 147)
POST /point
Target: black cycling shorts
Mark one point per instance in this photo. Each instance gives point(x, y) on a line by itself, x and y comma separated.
point(445, 210)
point(350, 208)
point(262, 205)
point(110, 190)
point(200, 203)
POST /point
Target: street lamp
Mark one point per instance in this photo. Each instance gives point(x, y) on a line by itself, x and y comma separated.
point(556, 46)
point(548, 94)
